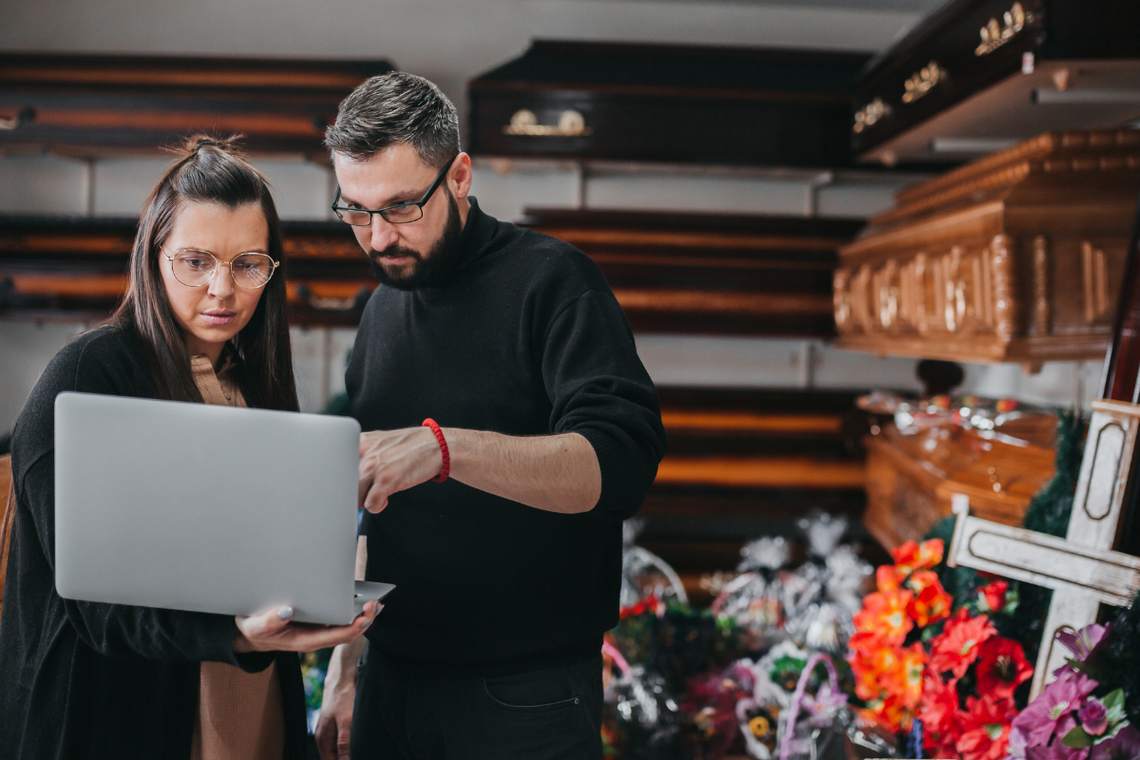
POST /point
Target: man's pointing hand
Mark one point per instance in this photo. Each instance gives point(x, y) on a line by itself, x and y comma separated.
point(396, 460)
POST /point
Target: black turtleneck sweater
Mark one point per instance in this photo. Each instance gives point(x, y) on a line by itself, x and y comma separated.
point(525, 338)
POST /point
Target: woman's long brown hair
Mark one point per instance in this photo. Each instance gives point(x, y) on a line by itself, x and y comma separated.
point(208, 170)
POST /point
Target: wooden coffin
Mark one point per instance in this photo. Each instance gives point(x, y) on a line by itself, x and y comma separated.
point(745, 463)
point(76, 269)
point(666, 103)
point(911, 478)
point(978, 73)
point(1015, 257)
point(707, 273)
point(78, 103)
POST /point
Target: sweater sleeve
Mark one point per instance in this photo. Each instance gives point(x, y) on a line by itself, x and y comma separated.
point(113, 630)
point(599, 389)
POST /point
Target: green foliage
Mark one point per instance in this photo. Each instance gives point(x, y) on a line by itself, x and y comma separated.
point(1049, 511)
point(1121, 658)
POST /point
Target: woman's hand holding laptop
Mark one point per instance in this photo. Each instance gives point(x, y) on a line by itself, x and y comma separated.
point(272, 631)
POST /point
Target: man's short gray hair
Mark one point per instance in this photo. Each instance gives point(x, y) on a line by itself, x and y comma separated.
point(396, 108)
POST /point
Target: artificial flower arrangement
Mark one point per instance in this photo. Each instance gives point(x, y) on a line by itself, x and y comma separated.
point(945, 677)
point(1080, 715)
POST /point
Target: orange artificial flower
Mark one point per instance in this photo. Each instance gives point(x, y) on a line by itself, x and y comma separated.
point(913, 556)
point(884, 614)
point(888, 578)
point(904, 679)
point(892, 713)
point(931, 602)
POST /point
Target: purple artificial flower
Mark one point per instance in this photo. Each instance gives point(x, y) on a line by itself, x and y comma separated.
point(1081, 643)
point(1094, 717)
point(821, 708)
point(1124, 746)
point(1041, 719)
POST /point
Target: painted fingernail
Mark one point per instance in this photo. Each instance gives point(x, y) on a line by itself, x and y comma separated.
point(285, 613)
point(365, 624)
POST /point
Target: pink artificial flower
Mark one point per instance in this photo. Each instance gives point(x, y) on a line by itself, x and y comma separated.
point(1039, 720)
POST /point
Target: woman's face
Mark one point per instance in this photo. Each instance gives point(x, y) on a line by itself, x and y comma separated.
point(213, 313)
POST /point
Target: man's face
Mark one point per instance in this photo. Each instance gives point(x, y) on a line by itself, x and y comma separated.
point(417, 253)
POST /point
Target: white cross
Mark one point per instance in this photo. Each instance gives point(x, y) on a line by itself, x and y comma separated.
point(1082, 569)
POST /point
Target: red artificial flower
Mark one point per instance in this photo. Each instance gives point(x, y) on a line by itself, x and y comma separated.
point(648, 604)
point(956, 648)
point(913, 556)
point(931, 602)
point(939, 714)
point(884, 615)
point(993, 595)
point(985, 728)
point(1002, 667)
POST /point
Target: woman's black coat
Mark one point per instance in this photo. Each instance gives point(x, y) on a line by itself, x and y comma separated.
point(87, 680)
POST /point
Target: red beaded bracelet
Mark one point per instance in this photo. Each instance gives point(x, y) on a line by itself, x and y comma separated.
point(446, 469)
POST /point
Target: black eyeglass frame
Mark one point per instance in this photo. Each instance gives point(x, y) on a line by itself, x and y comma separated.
point(381, 211)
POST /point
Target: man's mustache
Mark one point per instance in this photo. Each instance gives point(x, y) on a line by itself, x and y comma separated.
point(395, 251)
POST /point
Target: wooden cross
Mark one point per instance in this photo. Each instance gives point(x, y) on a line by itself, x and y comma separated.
point(1082, 568)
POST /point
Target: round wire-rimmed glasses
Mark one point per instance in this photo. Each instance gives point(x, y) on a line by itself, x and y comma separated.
point(197, 268)
point(400, 213)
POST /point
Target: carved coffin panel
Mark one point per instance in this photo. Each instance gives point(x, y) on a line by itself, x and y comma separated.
point(1017, 257)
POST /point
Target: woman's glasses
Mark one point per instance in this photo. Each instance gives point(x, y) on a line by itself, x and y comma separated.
point(197, 268)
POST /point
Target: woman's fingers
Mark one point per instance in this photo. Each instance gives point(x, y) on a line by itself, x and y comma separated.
point(273, 631)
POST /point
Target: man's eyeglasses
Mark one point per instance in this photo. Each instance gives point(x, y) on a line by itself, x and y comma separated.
point(400, 213)
point(197, 268)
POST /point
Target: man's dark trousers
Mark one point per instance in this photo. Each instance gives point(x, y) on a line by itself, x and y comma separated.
point(541, 715)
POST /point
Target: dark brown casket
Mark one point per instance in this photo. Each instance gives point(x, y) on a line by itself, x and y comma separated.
point(666, 103)
point(1015, 257)
point(977, 73)
point(911, 478)
point(79, 103)
point(76, 268)
point(710, 273)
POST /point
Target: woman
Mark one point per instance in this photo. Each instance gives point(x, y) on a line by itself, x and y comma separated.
point(203, 321)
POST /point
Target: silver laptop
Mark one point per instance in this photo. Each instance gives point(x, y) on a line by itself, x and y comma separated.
point(207, 508)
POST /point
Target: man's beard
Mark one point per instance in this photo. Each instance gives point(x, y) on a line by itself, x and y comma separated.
point(426, 271)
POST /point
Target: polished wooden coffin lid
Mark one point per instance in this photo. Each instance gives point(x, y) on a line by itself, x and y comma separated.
point(911, 478)
point(710, 273)
point(80, 103)
point(76, 268)
point(666, 103)
point(1015, 257)
point(978, 75)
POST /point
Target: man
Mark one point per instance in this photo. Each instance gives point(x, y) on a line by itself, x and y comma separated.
point(508, 570)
